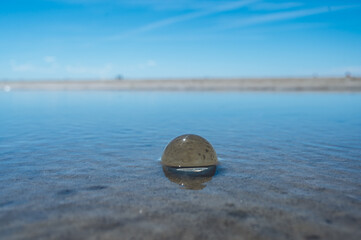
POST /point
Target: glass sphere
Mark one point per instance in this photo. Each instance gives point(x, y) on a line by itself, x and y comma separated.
point(189, 150)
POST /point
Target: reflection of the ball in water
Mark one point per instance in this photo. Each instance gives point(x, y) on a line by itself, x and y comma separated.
point(190, 177)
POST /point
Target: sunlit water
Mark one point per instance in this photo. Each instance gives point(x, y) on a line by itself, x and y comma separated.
point(86, 165)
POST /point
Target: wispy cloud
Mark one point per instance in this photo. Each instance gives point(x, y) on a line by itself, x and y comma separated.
point(187, 17)
point(49, 59)
point(179, 4)
point(22, 67)
point(82, 70)
point(154, 5)
point(141, 66)
point(151, 63)
point(352, 70)
point(268, 6)
point(78, 1)
point(280, 16)
point(50, 66)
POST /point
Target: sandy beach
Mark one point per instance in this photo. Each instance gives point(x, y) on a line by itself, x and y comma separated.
point(241, 84)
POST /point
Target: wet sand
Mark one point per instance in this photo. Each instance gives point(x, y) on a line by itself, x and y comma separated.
point(228, 208)
point(257, 84)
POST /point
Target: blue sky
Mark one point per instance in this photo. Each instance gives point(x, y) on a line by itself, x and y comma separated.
point(74, 39)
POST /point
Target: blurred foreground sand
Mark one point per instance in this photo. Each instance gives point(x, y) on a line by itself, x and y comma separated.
point(259, 84)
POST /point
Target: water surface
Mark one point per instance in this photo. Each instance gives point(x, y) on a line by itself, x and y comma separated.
point(86, 165)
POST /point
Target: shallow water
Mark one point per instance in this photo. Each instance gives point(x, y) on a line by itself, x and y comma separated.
point(86, 165)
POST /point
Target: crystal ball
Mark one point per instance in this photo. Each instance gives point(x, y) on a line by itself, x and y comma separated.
point(189, 150)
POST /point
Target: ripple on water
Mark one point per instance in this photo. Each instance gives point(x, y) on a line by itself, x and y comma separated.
point(74, 162)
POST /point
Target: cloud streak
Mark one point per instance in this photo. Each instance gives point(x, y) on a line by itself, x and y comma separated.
point(101, 71)
point(49, 59)
point(23, 67)
point(66, 70)
point(268, 6)
point(187, 17)
point(280, 16)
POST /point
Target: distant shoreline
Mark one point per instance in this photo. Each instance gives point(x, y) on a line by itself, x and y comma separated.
point(217, 84)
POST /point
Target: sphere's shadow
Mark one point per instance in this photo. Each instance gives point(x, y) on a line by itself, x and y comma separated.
point(193, 178)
